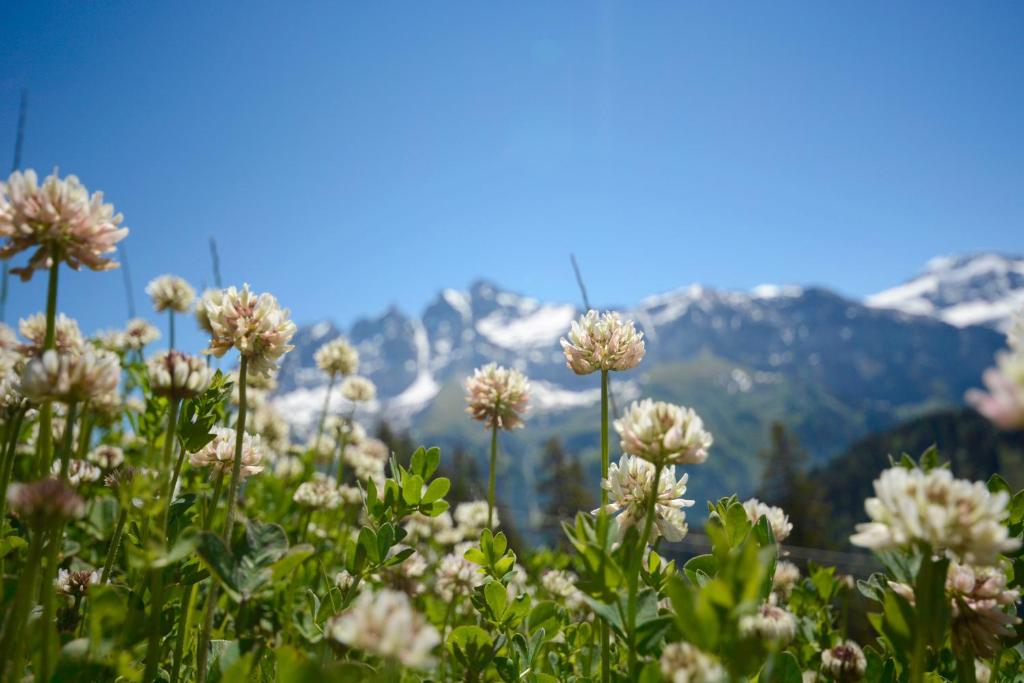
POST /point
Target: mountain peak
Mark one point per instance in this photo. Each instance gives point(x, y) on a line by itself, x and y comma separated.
point(981, 288)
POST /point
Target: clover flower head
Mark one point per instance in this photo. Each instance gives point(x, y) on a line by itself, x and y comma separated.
point(949, 515)
point(471, 519)
point(66, 335)
point(602, 342)
point(776, 516)
point(318, 494)
point(497, 396)
point(385, 624)
point(79, 471)
point(220, 453)
point(71, 376)
point(629, 486)
point(75, 583)
point(1003, 403)
point(178, 375)
point(45, 502)
point(786, 577)
point(60, 220)
point(170, 293)
point(685, 663)
point(771, 623)
point(358, 389)
point(255, 325)
point(845, 662)
point(106, 456)
point(663, 432)
point(562, 584)
point(337, 357)
point(984, 609)
point(457, 577)
point(138, 333)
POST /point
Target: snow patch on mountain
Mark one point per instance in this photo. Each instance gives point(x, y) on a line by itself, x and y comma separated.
point(975, 289)
point(542, 327)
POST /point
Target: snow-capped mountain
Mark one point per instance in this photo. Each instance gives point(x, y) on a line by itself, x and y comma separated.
point(973, 289)
point(830, 368)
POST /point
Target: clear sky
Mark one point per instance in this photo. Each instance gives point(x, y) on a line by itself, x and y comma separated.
point(348, 156)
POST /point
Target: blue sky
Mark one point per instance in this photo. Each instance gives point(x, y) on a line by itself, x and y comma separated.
point(348, 156)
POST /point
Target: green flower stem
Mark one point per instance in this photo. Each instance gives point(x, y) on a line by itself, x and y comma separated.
point(69, 436)
point(444, 635)
point(85, 436)
point(10, 448)
point(491, 475)
point(156, 600)
point(49, 341)
point(606, 654)
point(14, 627)
point(634, 574)
point(184, 626)
point(236, 469)
point(170, 313)
point(115, 543)
point(323, 413)
point(218, 487)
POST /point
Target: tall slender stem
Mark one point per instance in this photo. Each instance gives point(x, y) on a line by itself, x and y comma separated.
point(115, 542)
point(184, 626)
point(634, 574)
point(236, 468)
point(69, 435)
point(14, 626)
point(8, 465)
point(156, 601)
point(323, 415)
point(170, 313)
point(606, 654)
point(49, 341)
point(491, 476)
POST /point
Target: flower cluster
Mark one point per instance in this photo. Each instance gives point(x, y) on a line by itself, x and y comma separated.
point(947, 514)
point(629, 485)
point(253, 324)
point(497, 396)
point(384, 623)
point(601, 343)
point(171, 293)
point(60, 220)
point(71, 376)
point(777, 518)
point(337, 357)
point(684, 663)
point(219, 454)
point(662, 432)
point(178, 375)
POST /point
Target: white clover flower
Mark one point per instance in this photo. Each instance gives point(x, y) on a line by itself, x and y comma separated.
point(497, 396)
point(347, 431)
point(60, 219)
point(786, 577)
point(139, 333)
point(457, 577)
point(344, 580)
point(220, 453)
point(254, 325)
point(471, 518)
point(685, 663)
point(66, 335)
point(8, 339)
point(358, 389)
point(111, 340)
point(42, 503)
point(106, 456)
point(384, 624)
point(272, 428)
point(1003, 405)
point(71, 376)
point(629, 485)
point(770, 623)
point(319, 494)
point(662, 432)
point(845, 662)
point(337, 357)
point(984, 609)
point(75, 583)
point(420, 527)
point(79, 471)
point(912, 506)
point(777, 518)
point(562, 584)
point(177, 375)
point(602, 342)
point(289, 467)
point(170, 293)
point(208, 297)
point(350, 495)
point(321, 447)
point(367, 459)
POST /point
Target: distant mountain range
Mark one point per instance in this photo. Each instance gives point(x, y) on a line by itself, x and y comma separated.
point(832, 369)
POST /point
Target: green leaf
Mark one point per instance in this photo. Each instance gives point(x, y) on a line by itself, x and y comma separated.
point(436, 490)
point(781, 667)
point(291, 560)
point(412, 489)
point(219, 561)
